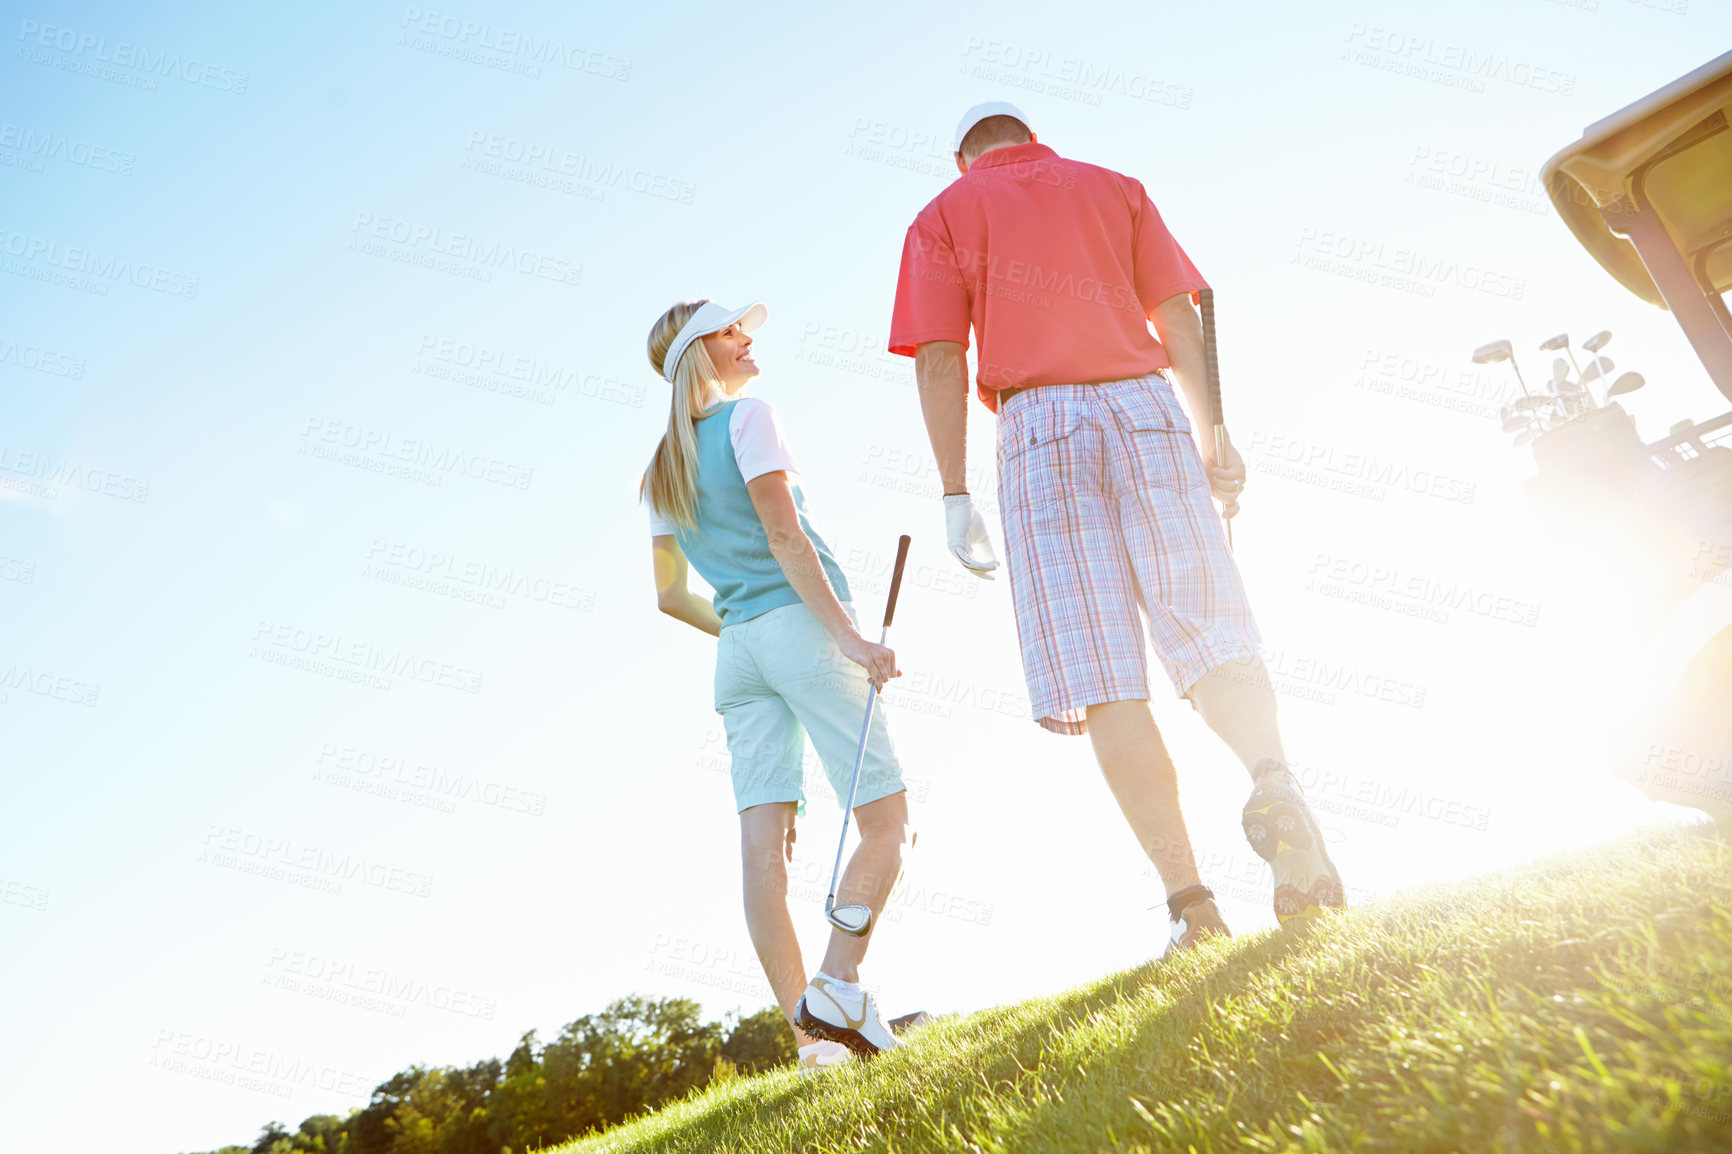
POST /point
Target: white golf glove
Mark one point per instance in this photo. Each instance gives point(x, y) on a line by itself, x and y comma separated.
point(966, 531)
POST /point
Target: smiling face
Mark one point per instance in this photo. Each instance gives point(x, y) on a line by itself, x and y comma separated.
point(731, 352)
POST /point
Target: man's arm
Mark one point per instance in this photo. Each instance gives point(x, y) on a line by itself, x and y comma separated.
point(941, 368)
point(1180, 331)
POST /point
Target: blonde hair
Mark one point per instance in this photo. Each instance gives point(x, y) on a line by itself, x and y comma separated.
point(670, 484)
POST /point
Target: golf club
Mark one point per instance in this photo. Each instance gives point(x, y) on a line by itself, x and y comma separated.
point(1599, 369)
point(1501, 351)
point(1562, 341)
point(856, 919)
point(1212, 367)
point(1560, 388)
point(1593, 345)
point(1628, 383)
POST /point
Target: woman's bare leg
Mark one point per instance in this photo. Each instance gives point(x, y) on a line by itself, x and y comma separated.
point(766, 845)
point(869, 878)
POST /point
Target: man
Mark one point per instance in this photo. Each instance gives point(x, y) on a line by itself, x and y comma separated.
point(1059, 268)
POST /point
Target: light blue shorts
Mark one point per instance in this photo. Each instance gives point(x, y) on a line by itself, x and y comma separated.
point(780, 677)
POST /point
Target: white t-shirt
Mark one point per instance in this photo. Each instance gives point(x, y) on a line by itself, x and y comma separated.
point(759, 448)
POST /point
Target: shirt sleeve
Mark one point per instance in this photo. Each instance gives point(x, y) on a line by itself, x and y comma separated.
point(1163, 271)
point(658, 527)
point(759, 446)
point(931, 293)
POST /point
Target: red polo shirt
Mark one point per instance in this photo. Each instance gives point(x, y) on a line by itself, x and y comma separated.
point(1056, 263)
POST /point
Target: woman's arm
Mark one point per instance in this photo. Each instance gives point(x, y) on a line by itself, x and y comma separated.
point(672, 596)
point(793, 550)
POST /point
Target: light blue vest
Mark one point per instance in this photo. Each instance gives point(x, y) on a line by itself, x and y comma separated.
point(729, 548)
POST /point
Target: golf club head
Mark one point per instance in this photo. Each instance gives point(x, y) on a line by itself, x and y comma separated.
point(1560, 369)
point(1561, 341)
point(1530, 403)
point(1496, 351)
point(1598, 341)
point(1525, 436)
point(1517, 421)
point(1600, 367)
point(1568, 388)
point(1628, 383)
point(854, 920)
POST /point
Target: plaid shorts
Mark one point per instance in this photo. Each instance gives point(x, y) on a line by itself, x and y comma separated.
point(1106, 508)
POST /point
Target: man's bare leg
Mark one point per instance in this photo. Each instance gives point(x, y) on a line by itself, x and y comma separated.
point(1138, 770)
point(1237, 701)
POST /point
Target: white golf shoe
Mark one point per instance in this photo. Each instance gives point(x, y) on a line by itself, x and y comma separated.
point(1192, 918)
point(842, 1012)
point(822, 1055)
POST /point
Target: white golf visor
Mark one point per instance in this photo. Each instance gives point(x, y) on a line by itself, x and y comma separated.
point(710, 318)
point(980, 112)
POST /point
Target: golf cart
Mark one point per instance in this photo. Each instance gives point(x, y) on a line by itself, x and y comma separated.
point(1648, 192)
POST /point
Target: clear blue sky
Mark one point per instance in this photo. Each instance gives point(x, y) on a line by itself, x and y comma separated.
point(324, 400)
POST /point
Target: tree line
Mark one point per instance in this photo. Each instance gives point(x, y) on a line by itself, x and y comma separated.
point(602, 1069)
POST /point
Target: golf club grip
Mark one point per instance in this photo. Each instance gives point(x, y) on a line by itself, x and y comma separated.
point(1211, 360)
point(896, 579)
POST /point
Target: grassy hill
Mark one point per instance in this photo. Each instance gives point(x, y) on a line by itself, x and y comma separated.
point(1582, 1003)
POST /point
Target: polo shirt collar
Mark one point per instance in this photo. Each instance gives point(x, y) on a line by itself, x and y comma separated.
point(1012, 153)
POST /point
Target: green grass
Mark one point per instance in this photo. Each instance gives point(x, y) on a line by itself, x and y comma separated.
point(1583, 1003)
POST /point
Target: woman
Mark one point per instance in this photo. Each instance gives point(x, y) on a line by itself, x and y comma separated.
point(790, 660)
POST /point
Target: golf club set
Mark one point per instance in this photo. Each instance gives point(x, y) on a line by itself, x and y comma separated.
point(1565, 398)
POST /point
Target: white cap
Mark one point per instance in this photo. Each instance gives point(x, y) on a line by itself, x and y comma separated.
point(710, 318)
point(980, 112)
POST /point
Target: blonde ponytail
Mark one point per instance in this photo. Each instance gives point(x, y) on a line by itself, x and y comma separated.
point(670, 484)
